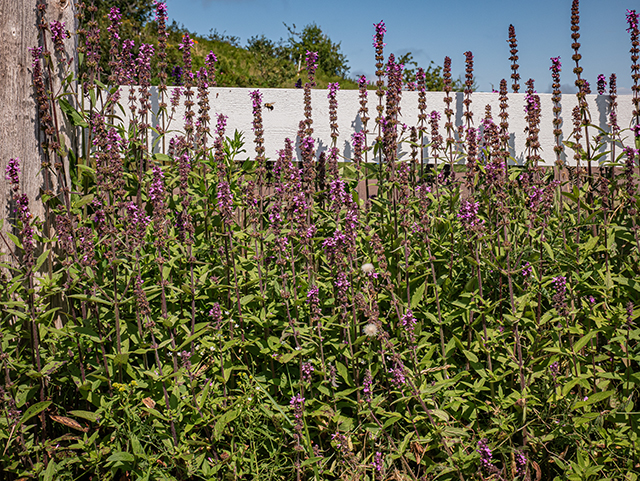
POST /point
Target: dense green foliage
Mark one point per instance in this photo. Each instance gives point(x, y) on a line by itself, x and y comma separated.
point(191, 310)
point(261, 63)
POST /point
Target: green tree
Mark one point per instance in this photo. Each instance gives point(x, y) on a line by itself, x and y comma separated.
point(331, 60)
point(274, 69)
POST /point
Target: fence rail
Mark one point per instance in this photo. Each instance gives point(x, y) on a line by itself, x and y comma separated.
point(288, 109)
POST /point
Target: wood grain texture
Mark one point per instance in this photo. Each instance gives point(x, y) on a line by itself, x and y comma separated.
point(20, 134)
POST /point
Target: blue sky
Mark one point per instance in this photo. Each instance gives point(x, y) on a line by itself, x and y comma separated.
point(432, 30)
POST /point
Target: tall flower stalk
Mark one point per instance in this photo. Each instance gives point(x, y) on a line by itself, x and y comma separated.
point(513, 44)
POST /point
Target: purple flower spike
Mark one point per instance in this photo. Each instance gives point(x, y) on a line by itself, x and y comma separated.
point(58, 34)
point(521, 463)
point(468, 214)
point(297, 403)
point(398, 378)
point(115, 17)
point(156, 191)
point(378, 463)
point(161, 9)
point(379, 35)
point(485, 455)
point(312, 64)
point(602, 84)
point(632, 20)
point(12, 173)
point(367, 386)
point(307, 371)
point(409, 324)
point(256, 97)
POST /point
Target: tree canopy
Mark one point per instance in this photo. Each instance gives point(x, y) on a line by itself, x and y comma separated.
point(330, 59)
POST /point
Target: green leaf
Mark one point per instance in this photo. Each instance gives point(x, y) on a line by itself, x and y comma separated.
point(121, 359)
point(88, 415)
point(285, 358)
point(155, 413)
point(72, 114)
point(594, 398)
point(418, 294)
point(590, 244)
point(469, 355)
point(246, 299)
point(190, 339)
point(342, 370)
point(41, 258)
point(394, 418)
point(15, 240)
point(87, 199)
point(583, 341)
point(440, 414)
point(52, 469)
point(585, 418)
point(222, 422)
point(34, 410)
point(84, 297)
point(121, 457)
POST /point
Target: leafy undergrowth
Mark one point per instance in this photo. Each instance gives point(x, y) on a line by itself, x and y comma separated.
point(203, 313)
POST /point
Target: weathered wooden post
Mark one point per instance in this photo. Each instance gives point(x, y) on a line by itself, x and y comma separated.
point(21, 132)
